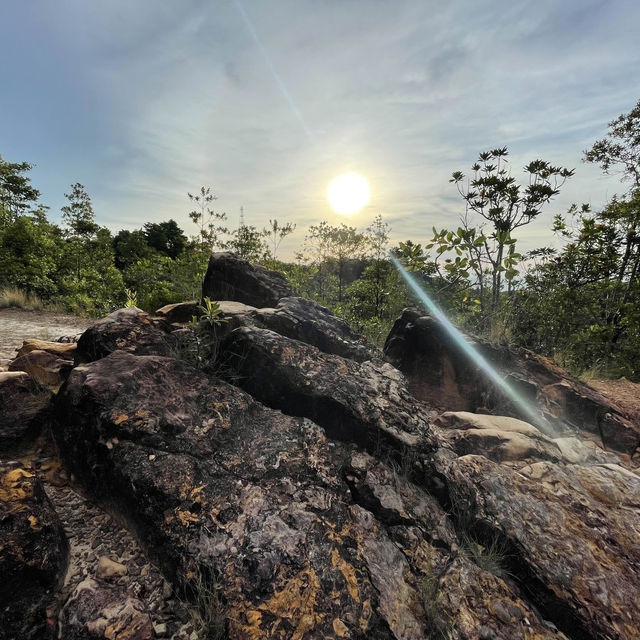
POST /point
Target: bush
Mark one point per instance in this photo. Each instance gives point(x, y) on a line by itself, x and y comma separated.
point(18, 299)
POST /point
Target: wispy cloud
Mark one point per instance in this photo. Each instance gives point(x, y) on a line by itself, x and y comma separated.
point(267, 102)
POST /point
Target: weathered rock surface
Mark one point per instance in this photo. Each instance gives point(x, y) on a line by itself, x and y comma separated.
point(366, 403)
point(570, 534)
point(60, 349)
point(229, 277)
point(306, 321)
point(46, 368)
point(441, 373)
point(179, 312)
point(96, 611)
point(24, 406)
point(129, 329)
point(33, 555)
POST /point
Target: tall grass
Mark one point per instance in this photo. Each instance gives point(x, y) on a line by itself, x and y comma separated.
point(18, 299)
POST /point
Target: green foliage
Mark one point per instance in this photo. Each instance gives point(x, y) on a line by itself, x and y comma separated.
point(78, 215)
point(249, 243)
point(209, 222)
point(16, 192)
point(212, 313)
point(166, 238)
point(437, 621)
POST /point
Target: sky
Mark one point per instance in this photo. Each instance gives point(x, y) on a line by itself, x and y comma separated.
point(265, 101)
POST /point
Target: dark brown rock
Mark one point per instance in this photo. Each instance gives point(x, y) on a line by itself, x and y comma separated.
point(24, 409)
point(441, 373)
point(33, 555)
point(308, 322)
point(129, 329)
point(366, 403)
point(229, 277)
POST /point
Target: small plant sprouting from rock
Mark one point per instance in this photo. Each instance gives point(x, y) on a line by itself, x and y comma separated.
point(490, 556)
point(211, 312)
point(132, 298)
point(207, 608)
point(437, 622)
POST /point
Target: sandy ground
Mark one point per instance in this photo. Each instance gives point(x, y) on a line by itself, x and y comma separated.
point(17, 325)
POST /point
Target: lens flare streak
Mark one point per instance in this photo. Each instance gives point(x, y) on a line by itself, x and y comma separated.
point(475, 356)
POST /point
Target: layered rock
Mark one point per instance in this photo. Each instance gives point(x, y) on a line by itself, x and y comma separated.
point(24, 407)
point(442, 373)
point(229, 277)
point(33, 555)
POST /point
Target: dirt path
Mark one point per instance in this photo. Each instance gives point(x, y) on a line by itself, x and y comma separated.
point(17, 325)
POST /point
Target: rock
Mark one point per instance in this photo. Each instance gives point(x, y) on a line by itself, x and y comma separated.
point(569, 534)
point(308, 322)
point(233, 492)
point(180, 312)
point(108, 568)
point(45, 367)
point(24, 409)
point(129, 329)
point(229, 277)
point(33, 554)
point(365, 403)
point(64, 351)
point(96, 611)
point(441, 373)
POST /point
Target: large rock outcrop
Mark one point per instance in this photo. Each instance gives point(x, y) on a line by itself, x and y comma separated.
point(294, 488)
point(442, 373)
point(229, 277)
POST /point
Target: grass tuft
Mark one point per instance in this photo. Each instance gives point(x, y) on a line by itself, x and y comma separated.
point(12, 297)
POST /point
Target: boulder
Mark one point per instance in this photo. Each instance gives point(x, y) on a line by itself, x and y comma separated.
point(441, 373)
point(569, 534)
point(46, 368)
point(180, 312)
point(64, 351)
point(268, 520)
point(129, 329)
point(33, 555)
point(306, 321)
point(24, 409)
point(229, 277)
point(366, 403)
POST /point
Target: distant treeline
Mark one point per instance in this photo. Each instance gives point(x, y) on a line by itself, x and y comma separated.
point(578, 304)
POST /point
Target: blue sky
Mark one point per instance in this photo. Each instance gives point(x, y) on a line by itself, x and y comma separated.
point(266, 101)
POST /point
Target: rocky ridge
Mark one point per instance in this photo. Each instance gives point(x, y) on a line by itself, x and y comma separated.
point(294, 485)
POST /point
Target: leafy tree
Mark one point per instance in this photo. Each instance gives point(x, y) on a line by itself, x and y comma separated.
point(620, 150)
point(494, 195)
point(165, 237)
point(129, 247)
point(78, 214)
point(16, 192)
point(248, 243)
point(210, 228)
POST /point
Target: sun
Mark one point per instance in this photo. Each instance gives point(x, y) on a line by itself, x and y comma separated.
point(348, 193)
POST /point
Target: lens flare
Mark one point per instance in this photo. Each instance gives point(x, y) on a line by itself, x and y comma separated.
point(533, 415)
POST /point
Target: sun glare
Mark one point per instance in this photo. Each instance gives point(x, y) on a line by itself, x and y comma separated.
point(348, 193)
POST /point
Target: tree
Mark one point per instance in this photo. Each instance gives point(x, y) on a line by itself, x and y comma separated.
point(620, 150)
point(277, 233)
point(16, 192)
point(78, 214)
point(209, 221)
point(129, 247)
point(248, 243)
point(494, 195)
point(165, 237)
